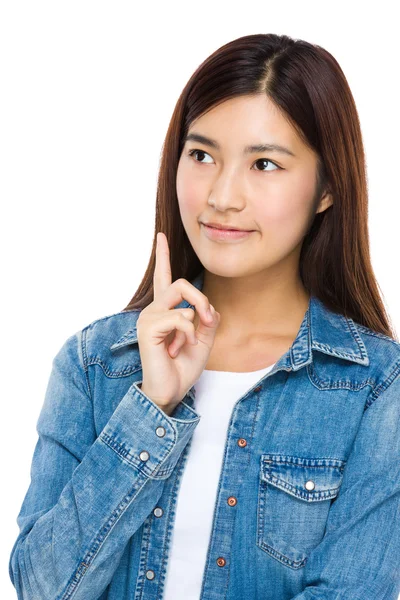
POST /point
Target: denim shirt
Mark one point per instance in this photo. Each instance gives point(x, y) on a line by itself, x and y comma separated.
point(312, 457)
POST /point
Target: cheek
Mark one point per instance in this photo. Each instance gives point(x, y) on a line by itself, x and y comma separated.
point(189, 206)
point(189, 195)
point(286, 219)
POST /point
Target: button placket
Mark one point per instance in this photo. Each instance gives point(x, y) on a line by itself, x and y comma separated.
point(157, 511)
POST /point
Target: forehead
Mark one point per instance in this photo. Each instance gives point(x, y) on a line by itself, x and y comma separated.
point(247, 120)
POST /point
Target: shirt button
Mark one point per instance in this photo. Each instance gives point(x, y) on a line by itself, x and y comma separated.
point(158, 512)
point(232, 501)
point(310, 485)
point(144, 455)
point(242, 442)
point(160, 431)
point(221, 562)
point(150, 574)
point(258, 388)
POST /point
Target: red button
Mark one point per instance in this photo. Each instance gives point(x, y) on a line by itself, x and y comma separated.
point(221, 562)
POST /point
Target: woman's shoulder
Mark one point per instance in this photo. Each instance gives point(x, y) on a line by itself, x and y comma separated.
point(106, 333)
point(378, 343)
point(383, 353)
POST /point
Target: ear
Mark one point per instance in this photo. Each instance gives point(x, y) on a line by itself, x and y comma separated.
point(325, 202)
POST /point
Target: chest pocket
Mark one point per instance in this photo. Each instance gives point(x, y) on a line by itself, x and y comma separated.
point(294, 498)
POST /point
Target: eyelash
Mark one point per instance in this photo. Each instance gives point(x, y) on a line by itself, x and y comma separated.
point(191, 152)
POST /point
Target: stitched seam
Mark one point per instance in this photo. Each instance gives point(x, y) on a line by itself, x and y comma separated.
point(120, 312)
point(356, 335)
point(382, 387)
point(286, 459)
point(376, 334)
point(113, 374)
point(321, 384)
point(125, 455)
point(97, 543)
point(84, 366)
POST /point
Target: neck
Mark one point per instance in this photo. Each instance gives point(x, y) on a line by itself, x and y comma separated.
point(256, 305)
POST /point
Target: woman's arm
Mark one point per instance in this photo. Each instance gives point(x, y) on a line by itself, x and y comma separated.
point(89, 495)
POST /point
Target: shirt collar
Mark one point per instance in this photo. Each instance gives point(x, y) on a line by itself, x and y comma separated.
point(322, 330)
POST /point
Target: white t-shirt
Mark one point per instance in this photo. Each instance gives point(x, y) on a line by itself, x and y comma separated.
point(216, 394)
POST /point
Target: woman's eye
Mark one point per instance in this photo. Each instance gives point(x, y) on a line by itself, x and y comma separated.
point(266, 160)
point(191, 152)
point(260, 160)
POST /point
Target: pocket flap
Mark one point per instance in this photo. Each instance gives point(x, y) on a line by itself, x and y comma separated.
point(309, 479)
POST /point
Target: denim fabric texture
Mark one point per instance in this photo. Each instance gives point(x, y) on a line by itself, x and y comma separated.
point(317, 480)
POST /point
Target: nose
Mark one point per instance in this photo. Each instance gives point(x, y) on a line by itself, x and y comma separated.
point(226, 193)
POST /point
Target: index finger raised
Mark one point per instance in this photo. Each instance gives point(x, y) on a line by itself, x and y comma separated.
point(162, 273)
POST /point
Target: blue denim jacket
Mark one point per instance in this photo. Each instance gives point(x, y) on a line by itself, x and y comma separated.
point(317, 482)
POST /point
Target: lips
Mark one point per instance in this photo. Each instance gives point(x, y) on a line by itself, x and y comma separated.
point(225, 235)
point(221, 227)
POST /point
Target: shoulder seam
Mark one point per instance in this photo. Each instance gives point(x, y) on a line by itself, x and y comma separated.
point(382, 387)
point(371, 333)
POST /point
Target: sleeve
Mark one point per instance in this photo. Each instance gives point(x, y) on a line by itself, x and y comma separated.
point(359, 555)
point(88, 496)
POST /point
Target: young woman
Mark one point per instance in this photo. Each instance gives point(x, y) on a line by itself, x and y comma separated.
point(250, 452)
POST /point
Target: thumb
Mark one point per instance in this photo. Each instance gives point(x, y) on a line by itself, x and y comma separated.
point(207, 331)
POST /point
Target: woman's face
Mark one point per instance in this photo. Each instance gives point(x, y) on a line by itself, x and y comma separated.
point(268, 191)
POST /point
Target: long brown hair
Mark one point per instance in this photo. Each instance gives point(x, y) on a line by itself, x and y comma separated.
point(306, 82)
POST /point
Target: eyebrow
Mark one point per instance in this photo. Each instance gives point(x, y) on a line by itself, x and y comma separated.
point(257, 148)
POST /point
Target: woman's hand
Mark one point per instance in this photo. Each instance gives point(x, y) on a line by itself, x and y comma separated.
point(173, 353)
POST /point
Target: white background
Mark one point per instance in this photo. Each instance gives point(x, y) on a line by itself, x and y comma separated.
point(87, 92)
